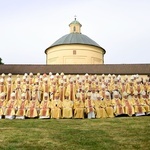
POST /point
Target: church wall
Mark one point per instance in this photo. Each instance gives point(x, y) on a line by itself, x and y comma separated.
point(75, 54)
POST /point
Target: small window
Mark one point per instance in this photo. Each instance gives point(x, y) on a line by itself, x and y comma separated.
point(74, 29)
point(74, 52)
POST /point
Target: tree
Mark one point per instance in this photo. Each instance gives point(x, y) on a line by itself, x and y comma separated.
point(1, 63)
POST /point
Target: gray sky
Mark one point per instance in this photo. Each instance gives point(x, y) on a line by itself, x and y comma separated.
point(28, 27)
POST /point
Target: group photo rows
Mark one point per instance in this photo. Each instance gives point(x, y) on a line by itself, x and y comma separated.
point(60, 96)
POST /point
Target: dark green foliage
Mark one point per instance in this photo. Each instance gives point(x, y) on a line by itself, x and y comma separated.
point(1, 63)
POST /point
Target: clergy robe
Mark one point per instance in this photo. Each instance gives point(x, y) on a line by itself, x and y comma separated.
point(109, 107)
point(147, 102)
point(56, 106)
point(32, 110)
point(146, 105)
point(2, 87)
point(18, 91)
point(130, 90)
point(10, 110)
point(89, 105)
point(100, 109)
point(138, 107)
point(9, 90)
point(71, 89)
point(22, 107)
point(44, 109)
point(2, 107)
point(78, 109)
point(128, 107)
point(67, 106)
point(28, 90)
point(62, 90)
point(118, 106)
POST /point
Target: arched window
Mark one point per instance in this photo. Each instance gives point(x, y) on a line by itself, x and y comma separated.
point(74, 29)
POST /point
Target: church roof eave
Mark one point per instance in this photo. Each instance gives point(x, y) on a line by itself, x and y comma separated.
point(75, 44)
point(75, 38)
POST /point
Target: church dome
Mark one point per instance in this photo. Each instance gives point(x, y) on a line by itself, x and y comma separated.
point(75, 48)
point(75, 38)
point(75, 22)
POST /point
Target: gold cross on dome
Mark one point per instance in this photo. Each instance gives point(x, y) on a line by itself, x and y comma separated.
point(75, 17)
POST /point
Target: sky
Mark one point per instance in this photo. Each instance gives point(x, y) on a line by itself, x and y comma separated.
point(121, 27)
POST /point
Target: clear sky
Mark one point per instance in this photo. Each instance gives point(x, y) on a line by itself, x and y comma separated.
point(28, 27)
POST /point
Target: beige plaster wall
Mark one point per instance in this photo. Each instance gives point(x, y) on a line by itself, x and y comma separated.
point(74, 54)
point(77, 28)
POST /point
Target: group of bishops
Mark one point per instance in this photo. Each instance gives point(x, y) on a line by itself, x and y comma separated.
point(73, 96)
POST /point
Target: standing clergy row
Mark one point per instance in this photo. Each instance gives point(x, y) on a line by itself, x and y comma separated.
point(51, 84)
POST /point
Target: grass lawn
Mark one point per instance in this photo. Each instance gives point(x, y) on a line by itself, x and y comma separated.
point(76, 134)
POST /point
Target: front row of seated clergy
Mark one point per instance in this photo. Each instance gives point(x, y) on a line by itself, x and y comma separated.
point(22, 108)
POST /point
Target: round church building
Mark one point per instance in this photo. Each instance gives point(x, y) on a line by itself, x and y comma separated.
point(75, 48)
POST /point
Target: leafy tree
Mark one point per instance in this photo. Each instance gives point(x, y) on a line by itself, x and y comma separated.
point(1, 63)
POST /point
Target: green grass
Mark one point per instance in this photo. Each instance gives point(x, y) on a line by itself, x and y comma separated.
point(76, 134)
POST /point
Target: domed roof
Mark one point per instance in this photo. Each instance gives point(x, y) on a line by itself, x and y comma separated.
point(75, 22)
point(75, 38)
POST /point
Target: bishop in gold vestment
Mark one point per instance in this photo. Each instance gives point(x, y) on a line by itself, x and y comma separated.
point(78, 107)
point(89, 105)
point(67, 106)
point(138, 106)
point(100, 108)
point(56, 107)
point(22, 107)
point(109, 105)
point(145, 103)
point(128, 105)
point(118, 106)
point(45, 107)
point(11, 107)
point(33, 107)
point(2, 104)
